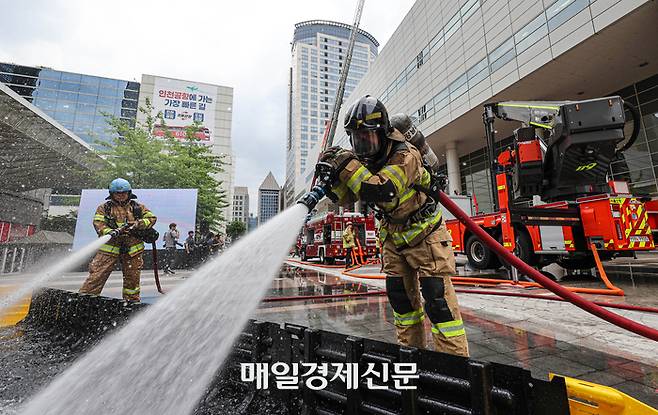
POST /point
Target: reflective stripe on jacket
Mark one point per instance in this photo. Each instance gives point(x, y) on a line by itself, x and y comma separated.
point(392, 190)
point(122, 214)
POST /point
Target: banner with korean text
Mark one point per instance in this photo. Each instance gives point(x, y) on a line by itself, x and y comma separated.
point(182, 103)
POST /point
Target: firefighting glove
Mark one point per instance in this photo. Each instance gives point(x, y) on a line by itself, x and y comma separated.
point(120, 231)
point(332, 196)
point(337, 157)
point(114, 233)
point(441, 182)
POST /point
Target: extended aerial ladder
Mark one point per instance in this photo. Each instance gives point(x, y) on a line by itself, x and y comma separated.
point(340, 92)
point(330, 127)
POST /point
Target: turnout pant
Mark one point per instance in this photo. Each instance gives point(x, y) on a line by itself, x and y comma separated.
point(418, 273)
point(170, 259)
point(101, 267)
point(349, 257)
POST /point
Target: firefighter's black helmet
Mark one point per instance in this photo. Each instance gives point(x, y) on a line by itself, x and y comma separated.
point(367, 124)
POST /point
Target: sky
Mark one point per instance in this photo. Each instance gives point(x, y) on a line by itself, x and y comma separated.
point(241, 44)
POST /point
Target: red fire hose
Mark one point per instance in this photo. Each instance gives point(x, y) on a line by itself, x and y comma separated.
point(621, 306)
point(644, 309)
point(322, 297)
point(545, 282)
point(155, 269)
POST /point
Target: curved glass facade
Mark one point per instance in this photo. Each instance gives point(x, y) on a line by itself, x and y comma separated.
point(306, 32)
point(79, 102)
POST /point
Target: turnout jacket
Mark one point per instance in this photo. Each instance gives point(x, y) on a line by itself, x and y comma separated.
point(120, 214)
point(348, 239)
point(394, 190)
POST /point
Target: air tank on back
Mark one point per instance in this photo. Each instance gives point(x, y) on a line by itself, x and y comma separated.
point(405, 125)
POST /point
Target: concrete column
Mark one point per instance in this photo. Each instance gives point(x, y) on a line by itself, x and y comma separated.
point(4, 260)
point(13, 261)
point(452, 163)
point(22, 261)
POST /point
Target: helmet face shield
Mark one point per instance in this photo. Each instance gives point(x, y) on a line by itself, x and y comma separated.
point(367, 124)
point(366, 143)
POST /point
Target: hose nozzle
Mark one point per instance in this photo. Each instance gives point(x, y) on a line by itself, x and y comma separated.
point(311, 198)
point(118, 231)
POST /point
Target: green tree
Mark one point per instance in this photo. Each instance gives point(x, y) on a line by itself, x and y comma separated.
point(236, 229)
point(164, 162)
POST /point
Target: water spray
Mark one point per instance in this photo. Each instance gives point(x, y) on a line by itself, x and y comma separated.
point(67, 264)
point(162, 361)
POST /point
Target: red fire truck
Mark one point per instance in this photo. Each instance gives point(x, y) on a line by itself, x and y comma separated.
point(322, 236)
point(552, 197)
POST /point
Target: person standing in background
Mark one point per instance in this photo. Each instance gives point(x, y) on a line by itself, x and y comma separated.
point(190, 247)
point(170, 239)
point(348, 244)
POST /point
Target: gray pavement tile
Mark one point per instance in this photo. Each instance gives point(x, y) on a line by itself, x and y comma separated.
point(479, 351)
point(627, 373)
point(565, 346)
point(385, 335)
point(558, 365)
point(643, 393)
point(533, 353)
point(503, 344)
point(591, 358)
point(479, 337)
point(642, 369)
point(602, 378)
point(502, 359)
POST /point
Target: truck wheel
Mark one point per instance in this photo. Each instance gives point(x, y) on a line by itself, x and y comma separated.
point(330, 261)
point(524, 249)
point(479, 255)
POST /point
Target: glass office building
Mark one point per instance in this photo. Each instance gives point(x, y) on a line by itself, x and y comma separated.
point(445, 61)
point(269, 194)
point(319, 49)
point(79, 102)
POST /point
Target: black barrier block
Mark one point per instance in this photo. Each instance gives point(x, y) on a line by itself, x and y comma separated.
point(446, 385)
point(409, 398)
point(353, 352)
point(38, 306)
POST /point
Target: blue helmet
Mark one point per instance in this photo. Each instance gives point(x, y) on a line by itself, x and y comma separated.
point(120, 185)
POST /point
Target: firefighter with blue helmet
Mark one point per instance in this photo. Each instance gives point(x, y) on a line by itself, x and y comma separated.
point(387, 172)
point(123, 218)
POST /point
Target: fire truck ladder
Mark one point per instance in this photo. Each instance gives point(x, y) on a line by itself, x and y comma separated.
point(343, 76)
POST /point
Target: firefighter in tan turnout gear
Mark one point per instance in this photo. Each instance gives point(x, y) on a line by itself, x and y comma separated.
point(349, 244)
point(387, 172)
point(126, 220)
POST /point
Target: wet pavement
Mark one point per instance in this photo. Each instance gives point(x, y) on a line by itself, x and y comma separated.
point(542, 340)
point(28, 361)
point(489, 340)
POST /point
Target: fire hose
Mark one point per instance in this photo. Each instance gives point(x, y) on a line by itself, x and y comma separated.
point(544, 281)
point(630, 307)
point(155, 269)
